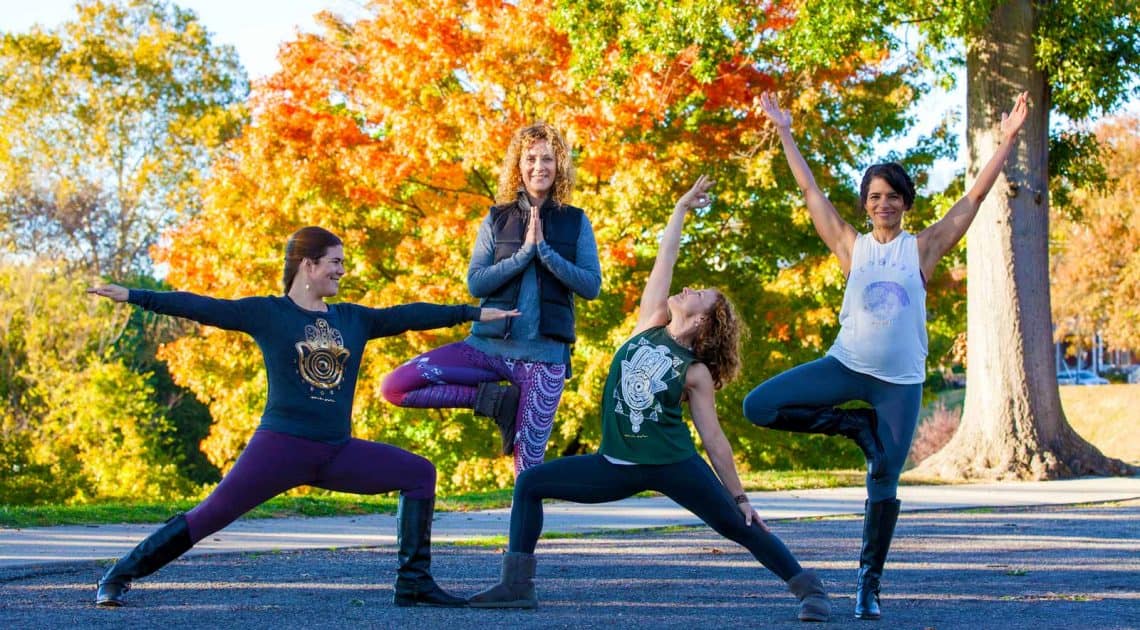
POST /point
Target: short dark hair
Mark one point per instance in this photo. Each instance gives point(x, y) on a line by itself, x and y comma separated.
point(896, 178)
point(308, 242)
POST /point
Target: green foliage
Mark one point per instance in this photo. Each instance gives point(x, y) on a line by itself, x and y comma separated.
point(80, 422)
point(106, 124)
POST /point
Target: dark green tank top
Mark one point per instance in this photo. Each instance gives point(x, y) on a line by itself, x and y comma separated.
point(641, 403)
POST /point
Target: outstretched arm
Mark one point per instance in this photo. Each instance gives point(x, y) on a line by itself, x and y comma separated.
point(654, 309)
point(394, 320)
point(702, 404)
point(836, 233)
point(936, 240)
point(244, 314)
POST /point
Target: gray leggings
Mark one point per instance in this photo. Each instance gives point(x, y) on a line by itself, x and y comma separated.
point(825, 383)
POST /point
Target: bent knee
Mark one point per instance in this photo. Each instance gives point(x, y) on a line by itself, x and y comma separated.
point(757, 410)
point(391, 390)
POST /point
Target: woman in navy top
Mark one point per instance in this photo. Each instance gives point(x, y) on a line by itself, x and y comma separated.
point(312, 352)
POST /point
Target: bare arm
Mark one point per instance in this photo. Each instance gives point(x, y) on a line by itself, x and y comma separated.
point(836, 233)
point(936, 240)
point(702, 403)
point(654, 310)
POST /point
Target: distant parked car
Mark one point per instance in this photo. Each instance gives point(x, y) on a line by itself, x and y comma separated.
point(1080, 377)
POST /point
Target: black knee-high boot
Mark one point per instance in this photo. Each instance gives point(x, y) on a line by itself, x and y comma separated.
point(858, 425)
point(879, 520)
point(501, 403)
point(414, 584)
point(170, 541)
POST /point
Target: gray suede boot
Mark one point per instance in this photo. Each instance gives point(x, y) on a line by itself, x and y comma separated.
point(515, 589)
point(814, 604)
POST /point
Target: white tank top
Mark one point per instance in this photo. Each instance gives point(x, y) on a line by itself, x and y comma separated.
point(882, 326)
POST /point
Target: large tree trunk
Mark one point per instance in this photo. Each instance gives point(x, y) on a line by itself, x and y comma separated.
point(1012, 425)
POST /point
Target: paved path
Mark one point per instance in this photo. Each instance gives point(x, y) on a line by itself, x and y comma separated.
point(1065, 567)
point(33, 547)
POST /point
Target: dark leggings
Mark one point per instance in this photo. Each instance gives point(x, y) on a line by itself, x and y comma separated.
point(691, 483)
point(825, 383)
point(275, 462)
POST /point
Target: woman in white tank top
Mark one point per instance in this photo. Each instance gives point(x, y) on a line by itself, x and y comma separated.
point(879, 356)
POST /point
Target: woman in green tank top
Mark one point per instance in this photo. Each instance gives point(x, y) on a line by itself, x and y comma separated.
point(685, 347)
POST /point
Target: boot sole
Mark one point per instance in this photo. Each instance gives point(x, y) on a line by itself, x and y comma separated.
point(413, 603)
point(518, 603)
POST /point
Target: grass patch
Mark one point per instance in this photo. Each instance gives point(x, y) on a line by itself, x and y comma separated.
point(340, 504)
point(1103, 414)
point(767, 480)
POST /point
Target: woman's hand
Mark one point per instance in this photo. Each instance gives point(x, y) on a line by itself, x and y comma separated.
point(1011, 122)
point(112, 291)
point(534, 229)
point(698, 195)
point(779, 117)
point(750, 516)
point(491, 314)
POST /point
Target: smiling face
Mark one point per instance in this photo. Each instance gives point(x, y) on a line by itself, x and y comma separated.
point(885, 205)
point(692, 303)
point(323, 275)
point(538, 169)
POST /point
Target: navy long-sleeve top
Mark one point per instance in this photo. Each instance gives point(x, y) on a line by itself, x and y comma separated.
point(311, 358)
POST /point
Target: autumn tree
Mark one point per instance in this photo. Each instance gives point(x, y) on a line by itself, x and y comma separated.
point(106, 124)
point(1095, 280)
point(389, 130)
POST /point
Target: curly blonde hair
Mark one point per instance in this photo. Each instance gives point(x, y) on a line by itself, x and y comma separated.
point(510, 177)
point(717, 342)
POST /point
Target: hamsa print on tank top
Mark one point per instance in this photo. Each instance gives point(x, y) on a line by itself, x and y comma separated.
point(321, 356)
point(646, 371)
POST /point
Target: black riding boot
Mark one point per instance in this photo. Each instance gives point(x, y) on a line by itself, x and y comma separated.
point(414, 584)
point(500, 402)
point(170, 541)
point(878, 528)
point(858, 425)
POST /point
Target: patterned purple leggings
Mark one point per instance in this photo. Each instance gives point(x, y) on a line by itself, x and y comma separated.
point(275, 462)
point(449, 376)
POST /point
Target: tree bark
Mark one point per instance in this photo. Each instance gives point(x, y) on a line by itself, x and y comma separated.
point(1012, 425)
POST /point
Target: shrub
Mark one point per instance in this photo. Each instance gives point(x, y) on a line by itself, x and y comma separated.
point(935, 432)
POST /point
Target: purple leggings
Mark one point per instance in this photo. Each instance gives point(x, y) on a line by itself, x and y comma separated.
point(449, 376)
point(275, 462)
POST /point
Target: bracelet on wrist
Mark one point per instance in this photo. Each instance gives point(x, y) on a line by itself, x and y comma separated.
point(740, 498)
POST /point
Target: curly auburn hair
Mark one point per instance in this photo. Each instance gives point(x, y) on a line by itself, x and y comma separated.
point(717, 342)
point(510, 176)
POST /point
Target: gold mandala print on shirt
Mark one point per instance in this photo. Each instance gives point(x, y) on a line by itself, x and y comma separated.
point(322, 355)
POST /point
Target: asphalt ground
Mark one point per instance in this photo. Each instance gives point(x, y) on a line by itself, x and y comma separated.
point(1029, 567)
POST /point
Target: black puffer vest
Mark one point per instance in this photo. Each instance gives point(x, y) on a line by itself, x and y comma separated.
point(561, 224)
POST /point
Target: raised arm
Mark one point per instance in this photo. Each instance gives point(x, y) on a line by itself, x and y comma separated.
point(702, 404)
point(654, 309)
point(836, 233)
point(936, 240)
